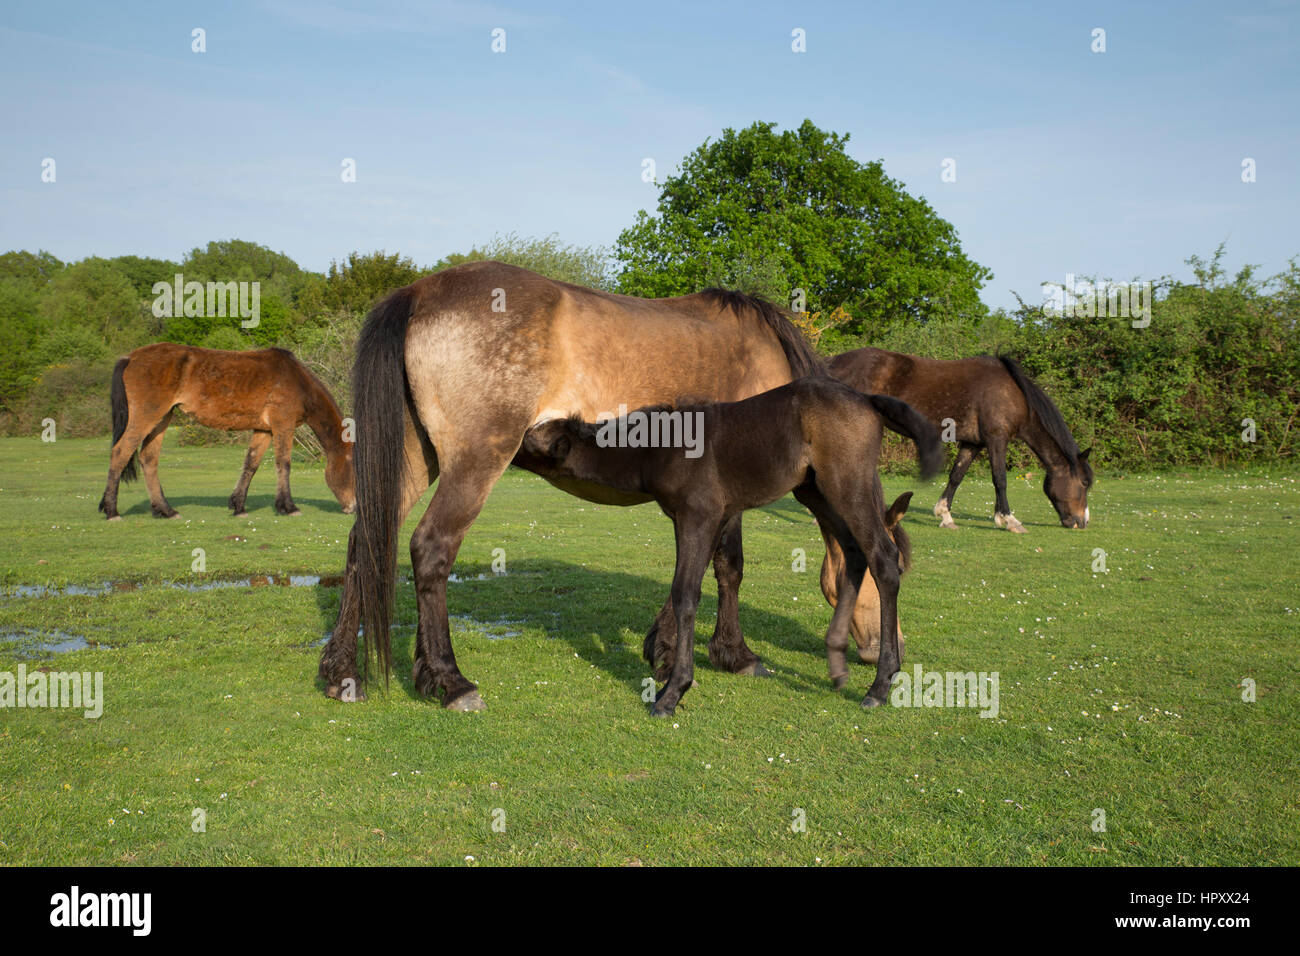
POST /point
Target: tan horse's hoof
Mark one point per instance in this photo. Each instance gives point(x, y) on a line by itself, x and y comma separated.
point(467, 703)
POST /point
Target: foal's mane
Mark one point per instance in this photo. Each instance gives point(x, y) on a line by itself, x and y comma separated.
point(803, 360)
point(1049, 416)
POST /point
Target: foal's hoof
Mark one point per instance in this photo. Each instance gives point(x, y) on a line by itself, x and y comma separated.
point(755, 669)
point(656, 712)
point(347, 695)
point(467, 703)
point(838, 683)
point(868, 702)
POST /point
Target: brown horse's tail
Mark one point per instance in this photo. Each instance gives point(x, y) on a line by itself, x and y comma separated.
point(902, 418)
point(121, 415)
point(379, 461)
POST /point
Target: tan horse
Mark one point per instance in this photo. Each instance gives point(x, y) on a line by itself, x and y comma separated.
point(267, 391)
point(454, 369)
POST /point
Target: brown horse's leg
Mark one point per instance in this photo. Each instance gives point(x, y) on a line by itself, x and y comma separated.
point(150, 452)
point(697, 536)
point(118, 460)
point(467, 478)
point(965, 455)
point(338, 659)
point(283, 439)
point(256, 449)
point(727, 648)
point(1002, 515)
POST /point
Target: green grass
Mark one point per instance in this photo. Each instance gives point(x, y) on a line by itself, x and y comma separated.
point(1119, 691)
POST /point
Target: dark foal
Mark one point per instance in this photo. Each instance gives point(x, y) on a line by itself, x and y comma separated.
point(815, 437)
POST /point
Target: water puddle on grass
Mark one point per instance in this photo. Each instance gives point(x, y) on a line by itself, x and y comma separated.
point(253, 581)
point(29, 644)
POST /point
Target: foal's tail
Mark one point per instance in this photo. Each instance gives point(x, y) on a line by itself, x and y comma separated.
point(379, 460)
point(907, 421)
point(121, 415)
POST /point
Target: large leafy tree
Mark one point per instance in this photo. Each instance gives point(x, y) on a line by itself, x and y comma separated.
point(770, 212)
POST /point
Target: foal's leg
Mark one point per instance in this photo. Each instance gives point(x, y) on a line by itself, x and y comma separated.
point(1002, 515)
point(965, 455)
point(727, 648)
point(284, 505)
point(697, 536)
point(850, 568)
point(150, 451)
point(257, 446)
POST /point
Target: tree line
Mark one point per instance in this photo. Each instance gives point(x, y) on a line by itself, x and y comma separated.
point(1211, 375)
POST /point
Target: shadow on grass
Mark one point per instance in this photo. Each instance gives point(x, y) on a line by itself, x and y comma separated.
point(254, 505)
point(602, 615)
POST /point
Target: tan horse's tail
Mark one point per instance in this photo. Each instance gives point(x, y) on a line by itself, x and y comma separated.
point(121, 415)
point(379, 461)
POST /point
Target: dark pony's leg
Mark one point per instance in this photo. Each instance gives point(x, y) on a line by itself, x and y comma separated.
point(697, 537)
point(257, 446)
point(727, 648)
point(1002, 515)
point(283, 438)
point(965, 455)
point(850, 568)
point(150, 452)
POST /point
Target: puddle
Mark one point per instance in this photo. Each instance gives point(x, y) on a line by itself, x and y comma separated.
point(33, 644)
point(253, 581)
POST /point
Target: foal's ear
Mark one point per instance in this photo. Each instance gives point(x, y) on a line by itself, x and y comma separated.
point(1083, 455)
point(896, 511)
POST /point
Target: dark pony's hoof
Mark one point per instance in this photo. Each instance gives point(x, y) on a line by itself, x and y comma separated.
point(755, 669)
point(656, 712)
point(868, 702)
point(468, 703)
point(837, 683)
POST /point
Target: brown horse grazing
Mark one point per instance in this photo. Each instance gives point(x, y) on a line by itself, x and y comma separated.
point(814, 437)
point(865, 623)
point(990, 401)
point(452, 370)
point(268, 391)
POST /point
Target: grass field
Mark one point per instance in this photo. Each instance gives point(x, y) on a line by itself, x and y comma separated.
point(1119, 691)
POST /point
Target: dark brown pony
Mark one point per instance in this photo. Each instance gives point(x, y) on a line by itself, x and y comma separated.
point(815, 437)
point(454, 369)
point(268, 391)
point(990, 402)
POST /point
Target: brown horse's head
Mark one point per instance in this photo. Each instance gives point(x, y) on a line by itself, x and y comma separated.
point(341, 481)
point(1066, 486)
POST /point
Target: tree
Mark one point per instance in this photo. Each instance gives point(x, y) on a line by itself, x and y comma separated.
point(771, 212)
point(582, 265)
point(358, 283)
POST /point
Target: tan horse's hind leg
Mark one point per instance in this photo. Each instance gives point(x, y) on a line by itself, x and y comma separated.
point(338, 660)
point(257, 447)
point(865, 623)
point(468, 475)
point(150, 452)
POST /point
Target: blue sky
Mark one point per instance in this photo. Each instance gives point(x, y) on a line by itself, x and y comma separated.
point(1117, 164)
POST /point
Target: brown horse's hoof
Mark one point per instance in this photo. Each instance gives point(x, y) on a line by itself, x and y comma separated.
point(294, 513)
point(467, 703)
point(336, 692)
point(838, 682)
point(755, 669)
point(115, 518)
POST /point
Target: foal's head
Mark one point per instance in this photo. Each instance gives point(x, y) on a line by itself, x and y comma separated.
point(1066, 486)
